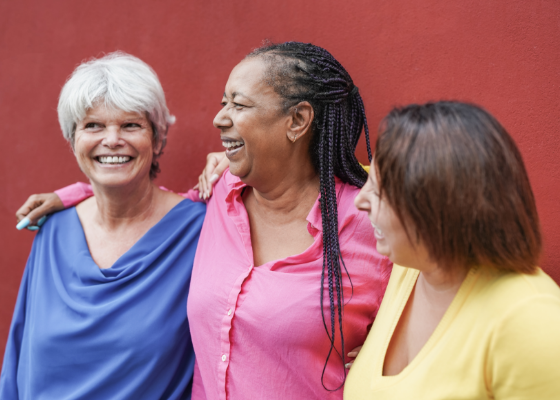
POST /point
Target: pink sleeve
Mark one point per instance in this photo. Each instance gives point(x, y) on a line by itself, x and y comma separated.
point(192, 194)
point(74, 194)
point(78, 192)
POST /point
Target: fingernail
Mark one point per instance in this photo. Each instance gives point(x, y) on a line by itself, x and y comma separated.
point(347, 366)
point(214, 178)
point(352, 354)
point(42, 221)
point(23, 223)
point(32, 228)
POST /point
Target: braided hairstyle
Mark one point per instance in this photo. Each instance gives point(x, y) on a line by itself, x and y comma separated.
point(304, 72)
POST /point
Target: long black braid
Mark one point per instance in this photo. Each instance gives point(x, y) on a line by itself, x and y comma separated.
point(304, 72)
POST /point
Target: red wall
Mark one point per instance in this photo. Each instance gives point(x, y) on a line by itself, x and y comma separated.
point(502, 54)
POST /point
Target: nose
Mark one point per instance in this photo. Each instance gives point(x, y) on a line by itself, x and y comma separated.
point(222, 119)
point(360, 201)
point(112, 137)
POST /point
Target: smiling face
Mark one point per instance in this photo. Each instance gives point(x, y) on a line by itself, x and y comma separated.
point(114, 147)
point(391, 235)
point(252, 124)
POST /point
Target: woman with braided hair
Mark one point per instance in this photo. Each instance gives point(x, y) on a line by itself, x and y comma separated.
point(286, 280)
point(279, 289)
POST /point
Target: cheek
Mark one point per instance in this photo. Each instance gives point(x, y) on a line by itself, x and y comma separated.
point(82, 147)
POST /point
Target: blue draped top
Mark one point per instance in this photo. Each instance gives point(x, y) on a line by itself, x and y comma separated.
point(81, 332)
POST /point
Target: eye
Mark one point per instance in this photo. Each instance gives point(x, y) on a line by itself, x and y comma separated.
point(92, 125)
point(238, 106)
point(131, 125)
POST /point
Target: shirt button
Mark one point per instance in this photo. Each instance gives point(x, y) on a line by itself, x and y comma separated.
point(224, 357)
point(229, 312)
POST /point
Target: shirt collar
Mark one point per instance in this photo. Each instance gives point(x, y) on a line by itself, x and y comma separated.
point(314, 217)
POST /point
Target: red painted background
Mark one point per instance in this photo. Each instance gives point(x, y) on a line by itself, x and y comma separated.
point(502, 54)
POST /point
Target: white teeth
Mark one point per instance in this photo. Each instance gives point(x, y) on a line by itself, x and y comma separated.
point(114, 160)
point(377, 229)
point(229, 145)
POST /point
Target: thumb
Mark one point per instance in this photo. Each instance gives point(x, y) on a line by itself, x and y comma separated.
point(219, 170)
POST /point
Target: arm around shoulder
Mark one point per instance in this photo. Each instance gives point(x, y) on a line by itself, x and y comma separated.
point(74, 194)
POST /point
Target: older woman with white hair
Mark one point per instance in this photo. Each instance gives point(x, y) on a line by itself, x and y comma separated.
point(101, 308)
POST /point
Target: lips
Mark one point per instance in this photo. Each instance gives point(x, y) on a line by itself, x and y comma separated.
point(232, 146)
point(378, 232)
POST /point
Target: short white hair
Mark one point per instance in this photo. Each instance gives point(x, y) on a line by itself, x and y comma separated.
point(119, 81)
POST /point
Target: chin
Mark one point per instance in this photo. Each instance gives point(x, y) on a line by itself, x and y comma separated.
point(237, 169)
point(383, 250)
point(112, 181)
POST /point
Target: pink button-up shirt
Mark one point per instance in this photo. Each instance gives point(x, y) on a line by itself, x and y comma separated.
point(257, 331)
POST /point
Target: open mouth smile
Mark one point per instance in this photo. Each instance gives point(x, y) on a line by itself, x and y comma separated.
point(113, 159)
point(232, 146)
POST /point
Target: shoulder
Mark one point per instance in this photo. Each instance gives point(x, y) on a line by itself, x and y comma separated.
point(524, 311)
point(194, 209)
point(524, 350)
point(66, 217)
point(350, 219)
point(511, 290)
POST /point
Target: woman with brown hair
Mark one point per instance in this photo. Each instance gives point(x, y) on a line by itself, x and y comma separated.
point(467, 313)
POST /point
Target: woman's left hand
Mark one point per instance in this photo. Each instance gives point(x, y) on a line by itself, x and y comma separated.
point(353, 354)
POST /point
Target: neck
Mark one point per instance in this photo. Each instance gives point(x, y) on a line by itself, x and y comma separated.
point(439, 283)
point(289, 189)
point(118, 206)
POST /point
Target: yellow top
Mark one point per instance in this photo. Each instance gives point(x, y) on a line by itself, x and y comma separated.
point(499, 339)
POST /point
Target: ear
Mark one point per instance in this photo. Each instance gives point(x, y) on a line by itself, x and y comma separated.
point(302, 116)
point(158, 144)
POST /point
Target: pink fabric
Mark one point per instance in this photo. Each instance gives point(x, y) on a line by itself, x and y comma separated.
point(273, 340)
point(79, 191)
point(258, 332)
point(74, 194)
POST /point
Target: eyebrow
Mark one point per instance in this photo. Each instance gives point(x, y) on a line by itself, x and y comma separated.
point(235, 94)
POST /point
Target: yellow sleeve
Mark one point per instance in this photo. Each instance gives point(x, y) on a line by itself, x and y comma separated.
point(366, 167)
point(524, 355)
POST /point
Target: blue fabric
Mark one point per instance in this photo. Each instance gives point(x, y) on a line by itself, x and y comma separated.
point(81, 332)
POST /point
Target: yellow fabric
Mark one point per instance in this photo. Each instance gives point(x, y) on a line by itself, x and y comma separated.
point(499, 339)
point(366, 167)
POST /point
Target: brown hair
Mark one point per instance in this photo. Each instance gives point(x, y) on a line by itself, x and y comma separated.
point(454, 174)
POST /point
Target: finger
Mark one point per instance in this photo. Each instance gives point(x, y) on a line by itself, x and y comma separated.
point(201, 185)
point(212, 161)
point(220, 168)
point(354, 352)
point(38, 213)
point(23, 223)
point(39, 224)
point(211, 164)
point(31, 203)
point(217, 173)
